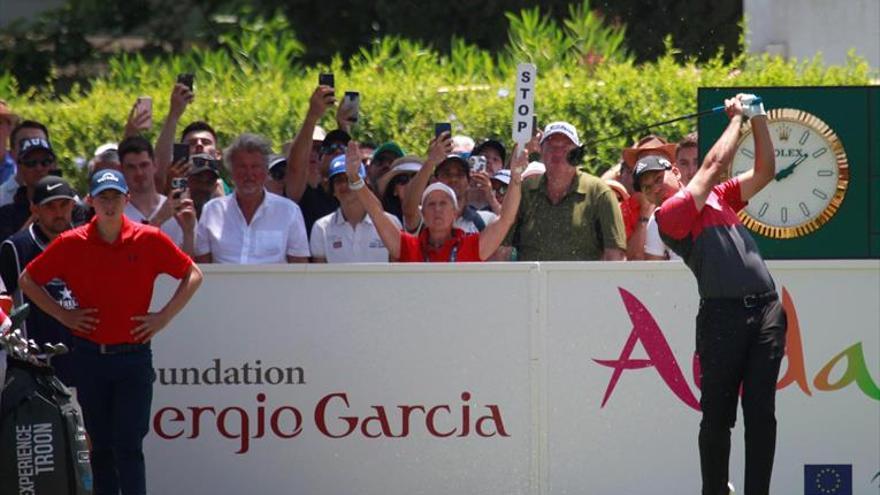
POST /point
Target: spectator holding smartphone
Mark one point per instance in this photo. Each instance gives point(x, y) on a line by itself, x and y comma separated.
point(439, 240)
point(453, 171)
point(176, 217)
point(347, 235)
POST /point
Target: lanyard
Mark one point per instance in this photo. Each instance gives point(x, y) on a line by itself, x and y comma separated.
point(453, 253)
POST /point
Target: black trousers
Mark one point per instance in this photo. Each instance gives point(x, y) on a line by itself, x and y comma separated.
point(740, 344)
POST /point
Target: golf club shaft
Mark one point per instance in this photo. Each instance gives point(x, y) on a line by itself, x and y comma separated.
point(658, 124)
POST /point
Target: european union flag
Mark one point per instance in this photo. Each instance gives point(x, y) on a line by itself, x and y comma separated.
point(828, 479)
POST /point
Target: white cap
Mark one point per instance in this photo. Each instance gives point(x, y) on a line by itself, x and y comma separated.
point(105, 148)
point(319, 133)
point(502, 175)
point(439, 186)
point(534, 168)
point(462, 144)
point(561, 128)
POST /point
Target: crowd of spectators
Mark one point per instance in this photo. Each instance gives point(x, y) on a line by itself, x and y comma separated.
point(249, 202)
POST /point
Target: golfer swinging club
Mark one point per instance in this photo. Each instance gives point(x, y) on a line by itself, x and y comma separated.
point(741, 323)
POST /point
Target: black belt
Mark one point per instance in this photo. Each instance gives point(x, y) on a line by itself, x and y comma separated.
point(747, 301)
point(88, 345)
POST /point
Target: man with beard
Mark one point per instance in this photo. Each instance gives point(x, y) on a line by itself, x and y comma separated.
point(52, 207)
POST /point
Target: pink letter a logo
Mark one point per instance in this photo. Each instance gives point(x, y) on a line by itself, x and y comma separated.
point(646, 331)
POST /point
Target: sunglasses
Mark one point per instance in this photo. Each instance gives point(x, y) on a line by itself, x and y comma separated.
point(401, 180)
point(46, 162)
point(330, 148)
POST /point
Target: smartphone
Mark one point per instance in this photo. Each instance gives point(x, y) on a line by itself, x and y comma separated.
point(181, 152)
point(353, 99)
point(535, 125)
point(178, 187)
point(441, 127)
point(477, 163)
point(187, 79)
point(326, 79)
point(145, 105)
point(179, 183)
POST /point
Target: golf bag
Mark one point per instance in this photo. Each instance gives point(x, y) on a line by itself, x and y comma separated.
point(43, 448)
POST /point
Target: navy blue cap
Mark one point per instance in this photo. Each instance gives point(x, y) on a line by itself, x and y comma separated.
point(29, 145)
point(107, 179)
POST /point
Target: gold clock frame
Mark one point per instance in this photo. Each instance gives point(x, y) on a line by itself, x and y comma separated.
point(817, 124)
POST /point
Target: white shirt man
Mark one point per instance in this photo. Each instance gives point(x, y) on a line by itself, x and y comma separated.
point(276, 231)
point(335, 240)
point(251, 225)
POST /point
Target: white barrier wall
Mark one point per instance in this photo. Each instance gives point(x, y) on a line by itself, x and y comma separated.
point(491, 379)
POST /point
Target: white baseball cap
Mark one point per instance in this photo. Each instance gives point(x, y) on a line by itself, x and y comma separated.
point(561, 128)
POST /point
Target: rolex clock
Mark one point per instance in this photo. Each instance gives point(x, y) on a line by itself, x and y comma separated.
point(812, 175)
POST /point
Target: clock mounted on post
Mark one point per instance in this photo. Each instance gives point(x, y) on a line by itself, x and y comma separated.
point(812, 175)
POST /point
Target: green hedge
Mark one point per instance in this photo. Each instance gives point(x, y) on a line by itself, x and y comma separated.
point(404, 87)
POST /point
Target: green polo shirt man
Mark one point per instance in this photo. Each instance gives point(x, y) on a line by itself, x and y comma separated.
point(566, 214)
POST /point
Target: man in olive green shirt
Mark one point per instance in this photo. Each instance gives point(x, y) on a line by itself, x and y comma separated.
point(566, 214)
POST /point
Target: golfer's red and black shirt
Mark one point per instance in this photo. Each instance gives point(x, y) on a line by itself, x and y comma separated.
point(714, 243)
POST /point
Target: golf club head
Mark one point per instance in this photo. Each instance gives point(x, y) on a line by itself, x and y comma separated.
point(61, 348)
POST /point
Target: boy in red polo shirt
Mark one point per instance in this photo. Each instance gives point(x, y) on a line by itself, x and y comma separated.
point(111, 264)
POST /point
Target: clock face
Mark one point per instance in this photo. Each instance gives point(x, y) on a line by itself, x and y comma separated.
point(811, 176)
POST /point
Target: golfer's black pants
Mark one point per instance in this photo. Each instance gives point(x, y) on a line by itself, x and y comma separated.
point(740, 344)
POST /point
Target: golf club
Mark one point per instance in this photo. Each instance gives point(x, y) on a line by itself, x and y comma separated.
point(576, 156)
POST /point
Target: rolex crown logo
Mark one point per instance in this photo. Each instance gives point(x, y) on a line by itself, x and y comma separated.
point(784, 133)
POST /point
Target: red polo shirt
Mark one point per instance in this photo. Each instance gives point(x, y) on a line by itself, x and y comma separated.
point(117, 279)
point(461, 247)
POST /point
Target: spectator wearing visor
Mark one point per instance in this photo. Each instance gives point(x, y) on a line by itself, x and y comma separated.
point(439, 240)
point(277, 171)
point(251, 225)
point(454, 171)
point(347, 235)
point(382, 161)
point(500, 183)
point(567, 214)
point(392, 186)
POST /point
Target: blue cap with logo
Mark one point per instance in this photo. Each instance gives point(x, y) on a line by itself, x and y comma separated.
point(107, 179)
point(337, 166)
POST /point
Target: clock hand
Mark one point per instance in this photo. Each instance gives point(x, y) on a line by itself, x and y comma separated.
point(789, 169)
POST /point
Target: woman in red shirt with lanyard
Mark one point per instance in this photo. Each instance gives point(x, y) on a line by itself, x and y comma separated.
point(438, 241)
